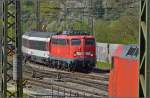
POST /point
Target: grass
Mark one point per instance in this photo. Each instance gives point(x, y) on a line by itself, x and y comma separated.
point(103, 65)
point(24, 95)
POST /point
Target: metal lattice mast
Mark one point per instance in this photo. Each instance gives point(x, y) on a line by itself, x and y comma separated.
point(11, 36)
point(144, 68)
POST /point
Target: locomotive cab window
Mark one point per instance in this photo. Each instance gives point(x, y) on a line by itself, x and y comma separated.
point(89, 41)
point(75, 42)
point(54, 41)
point(58, 41)
point(61, 42)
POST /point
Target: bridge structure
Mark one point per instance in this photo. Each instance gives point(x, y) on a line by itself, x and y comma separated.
point(12, 34)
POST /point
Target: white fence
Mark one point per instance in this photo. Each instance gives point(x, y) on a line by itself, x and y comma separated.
point(104, 51)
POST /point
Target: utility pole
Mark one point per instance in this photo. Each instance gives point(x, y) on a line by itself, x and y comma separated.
point(18, 50)
point(11, 45)
point(144, 66)
point(90, 17)
point(38, 24)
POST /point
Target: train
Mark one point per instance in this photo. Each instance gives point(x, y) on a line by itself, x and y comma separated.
point(67, 50)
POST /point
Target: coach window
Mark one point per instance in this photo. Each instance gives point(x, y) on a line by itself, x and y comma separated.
point(33, 44)
point(38, 45)
point(24, 42)
point(41, 45)
point(75, 42)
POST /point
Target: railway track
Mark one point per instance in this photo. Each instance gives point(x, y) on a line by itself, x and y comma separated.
point(94, 81)
point(55, 86)
point(92, 76)
point(74, 77)
point(90, 83)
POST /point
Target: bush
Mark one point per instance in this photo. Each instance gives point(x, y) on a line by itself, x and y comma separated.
point(124, 30)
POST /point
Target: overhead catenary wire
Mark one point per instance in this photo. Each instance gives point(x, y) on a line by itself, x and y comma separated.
point(119, 9)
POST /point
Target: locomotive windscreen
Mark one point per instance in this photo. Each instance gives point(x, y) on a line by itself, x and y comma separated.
point(75, 42)
point(90, 42)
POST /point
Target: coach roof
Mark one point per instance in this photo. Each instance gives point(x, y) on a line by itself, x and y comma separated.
point(39, 34)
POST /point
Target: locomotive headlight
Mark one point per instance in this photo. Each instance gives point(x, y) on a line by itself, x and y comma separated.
point(75, 54)
point(87, 53)
point(83, 53)
point(92, 54)
point(79, 53)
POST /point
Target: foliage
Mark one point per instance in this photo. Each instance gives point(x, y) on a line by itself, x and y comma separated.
point(120, 30)
point(103, 65)
point(28, 3)
point(123, 30)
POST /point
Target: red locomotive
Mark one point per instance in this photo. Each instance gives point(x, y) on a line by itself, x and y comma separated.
point(69, 50)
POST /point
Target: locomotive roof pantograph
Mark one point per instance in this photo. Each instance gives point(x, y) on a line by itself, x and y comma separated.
point(75, 32)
